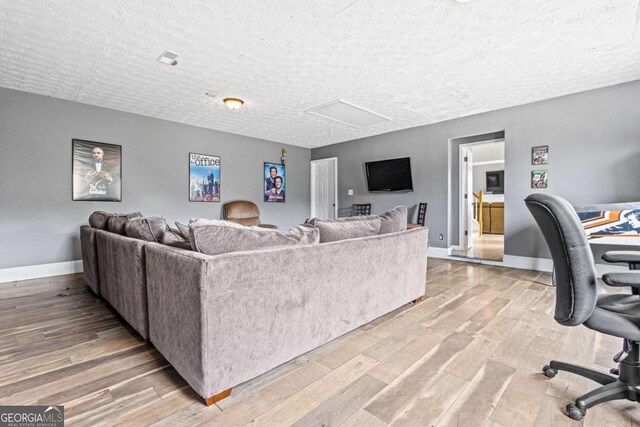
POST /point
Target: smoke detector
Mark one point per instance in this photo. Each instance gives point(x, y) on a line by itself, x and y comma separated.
point(168, 58)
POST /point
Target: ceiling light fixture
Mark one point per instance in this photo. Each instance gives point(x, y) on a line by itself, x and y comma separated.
point(233, 103)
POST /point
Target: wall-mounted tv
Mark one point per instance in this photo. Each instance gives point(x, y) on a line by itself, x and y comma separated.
point(495, 182)
point(389, 175)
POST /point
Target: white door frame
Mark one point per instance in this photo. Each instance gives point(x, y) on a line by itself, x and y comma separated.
point(450, 246)
point(312, 206)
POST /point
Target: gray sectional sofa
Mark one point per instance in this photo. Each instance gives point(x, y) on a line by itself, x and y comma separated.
point(223, 319)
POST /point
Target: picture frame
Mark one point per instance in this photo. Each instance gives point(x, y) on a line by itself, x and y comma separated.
point(539, 179)
point(204, 177)
point(540, 155)
point(274, 183)
point(96, 171)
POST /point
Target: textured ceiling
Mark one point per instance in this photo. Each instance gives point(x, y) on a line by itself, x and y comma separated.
point(416, 61)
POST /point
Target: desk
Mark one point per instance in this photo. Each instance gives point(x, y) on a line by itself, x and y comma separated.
point(614, 241)
point(412, 226)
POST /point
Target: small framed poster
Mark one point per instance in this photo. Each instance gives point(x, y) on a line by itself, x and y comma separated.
point(539, 178)
point(274, 182)
point(96, 171)
point(204, 178)
point(540, 155)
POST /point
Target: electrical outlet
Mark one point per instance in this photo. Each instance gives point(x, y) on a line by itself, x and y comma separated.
point(440, 237)
point(350, 192)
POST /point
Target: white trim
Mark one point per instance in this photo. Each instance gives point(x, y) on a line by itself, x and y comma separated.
point(488, 162)
point(312, 204)
point(520, 262)
point(41, 270)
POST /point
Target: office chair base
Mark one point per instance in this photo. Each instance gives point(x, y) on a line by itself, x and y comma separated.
point(624, 386)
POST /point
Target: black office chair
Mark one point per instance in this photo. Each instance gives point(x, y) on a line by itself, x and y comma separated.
point(361, 209)
point(578, 303)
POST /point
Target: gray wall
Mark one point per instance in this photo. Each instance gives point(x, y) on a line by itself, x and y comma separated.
point(39, 222)
point(594, 149)
point(479, 175)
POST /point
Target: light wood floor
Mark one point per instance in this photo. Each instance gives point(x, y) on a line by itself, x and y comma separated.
point(468, 355)
point(487, 246)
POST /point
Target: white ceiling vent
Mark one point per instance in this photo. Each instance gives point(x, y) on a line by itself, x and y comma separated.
point(348, 114)
point(168, 58)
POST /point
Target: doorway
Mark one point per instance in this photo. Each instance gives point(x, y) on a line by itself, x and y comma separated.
point(324, 188)
point(481, 192)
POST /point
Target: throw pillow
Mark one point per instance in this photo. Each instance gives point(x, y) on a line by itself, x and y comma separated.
point(347, 228)
point(99, 219)
point(215, 239)
point(117, 221)
point(183, 230)
point(173, 238)
point(150, 229)
point(394, 220)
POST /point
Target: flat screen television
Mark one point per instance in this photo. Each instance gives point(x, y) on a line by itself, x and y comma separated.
point(389, 175)
point(495, 182)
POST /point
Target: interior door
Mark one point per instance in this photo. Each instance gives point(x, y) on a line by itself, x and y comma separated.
point(466, 201)
point(323, 189)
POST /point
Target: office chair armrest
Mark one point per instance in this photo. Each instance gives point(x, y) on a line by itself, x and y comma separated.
point(627, 257)
point(630, 278)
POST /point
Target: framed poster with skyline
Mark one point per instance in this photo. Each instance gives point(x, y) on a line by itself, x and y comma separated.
point(204, 178)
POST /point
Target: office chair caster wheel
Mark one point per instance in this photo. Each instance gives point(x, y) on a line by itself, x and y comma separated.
point(549, 372)
point(614, 371)
point(574, 412)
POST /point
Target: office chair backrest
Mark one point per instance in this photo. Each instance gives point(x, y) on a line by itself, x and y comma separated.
point(575, 274)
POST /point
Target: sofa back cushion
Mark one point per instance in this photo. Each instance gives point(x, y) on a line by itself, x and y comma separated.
point(213, 237)
point(99, 219)
point(350, 227)
point(150, 229)
point(116, 222)
point(394, 220)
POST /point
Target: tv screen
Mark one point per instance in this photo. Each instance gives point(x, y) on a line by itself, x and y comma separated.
point(495, 181)
point(389, 175)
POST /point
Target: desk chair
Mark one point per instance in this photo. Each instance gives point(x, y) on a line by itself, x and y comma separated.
point(578, 303)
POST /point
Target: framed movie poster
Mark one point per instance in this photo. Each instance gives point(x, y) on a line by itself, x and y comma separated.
point(539, 179)
point(204, 178)
point(540, 155)
point(274, 183)
point(96, 171)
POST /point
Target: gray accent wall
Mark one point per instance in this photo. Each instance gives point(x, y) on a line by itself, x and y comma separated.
point(39, 223)
point(594, 151)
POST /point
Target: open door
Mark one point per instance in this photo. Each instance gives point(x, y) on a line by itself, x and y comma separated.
point(324, 188)
point(466, 199)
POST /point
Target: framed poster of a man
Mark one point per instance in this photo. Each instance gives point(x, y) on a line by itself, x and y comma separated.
point(96, 171)
point(274, 183)
point(204, 178)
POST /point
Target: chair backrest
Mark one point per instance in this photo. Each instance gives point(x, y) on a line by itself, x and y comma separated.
point(361, 209)
point(243, 212)
point(575, 274)
point(422, 213)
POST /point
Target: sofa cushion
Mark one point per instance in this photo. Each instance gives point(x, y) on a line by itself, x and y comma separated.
point(150, 229)
point(213, 237)
point(173, 238)
point(394, 220)
point(183, 230)
point(348, 227)
point(116, 222)
point(99, 219)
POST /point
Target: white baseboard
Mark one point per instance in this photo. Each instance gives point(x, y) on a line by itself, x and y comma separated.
point(521, 262)
point(42, 270)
